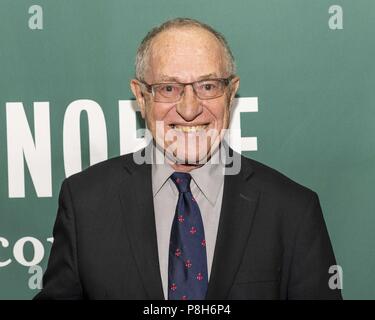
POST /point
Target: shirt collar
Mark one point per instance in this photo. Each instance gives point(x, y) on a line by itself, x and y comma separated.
point(160, 175)
point(209, 178)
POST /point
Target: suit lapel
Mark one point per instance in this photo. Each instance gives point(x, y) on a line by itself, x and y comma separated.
point(137, 206)
point(239, 204)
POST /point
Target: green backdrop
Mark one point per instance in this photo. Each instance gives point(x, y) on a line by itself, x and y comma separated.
point(314, 84)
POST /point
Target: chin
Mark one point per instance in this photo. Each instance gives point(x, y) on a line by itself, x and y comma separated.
point(190, 148)
point(199, 156)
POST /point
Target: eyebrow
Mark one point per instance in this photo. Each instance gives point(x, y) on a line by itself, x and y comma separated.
point(164, 77)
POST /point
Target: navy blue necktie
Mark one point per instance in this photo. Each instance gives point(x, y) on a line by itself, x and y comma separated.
point(187, 269)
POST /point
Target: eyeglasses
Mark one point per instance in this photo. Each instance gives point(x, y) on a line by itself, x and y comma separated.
point(203, 89)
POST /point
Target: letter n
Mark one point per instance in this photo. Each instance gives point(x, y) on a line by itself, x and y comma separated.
point(36, 152)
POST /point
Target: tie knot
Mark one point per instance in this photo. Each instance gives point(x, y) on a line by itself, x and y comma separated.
point(182, 181)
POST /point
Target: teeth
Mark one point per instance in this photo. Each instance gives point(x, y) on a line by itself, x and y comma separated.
point(189, 128)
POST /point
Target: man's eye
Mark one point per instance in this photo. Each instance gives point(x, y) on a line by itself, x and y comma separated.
point(208, 86)
point(168, 88)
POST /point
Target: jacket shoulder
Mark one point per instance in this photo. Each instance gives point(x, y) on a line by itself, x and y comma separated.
point(102, 174)
point(276, 184)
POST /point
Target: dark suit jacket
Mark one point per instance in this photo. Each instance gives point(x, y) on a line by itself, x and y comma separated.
point(272, 241)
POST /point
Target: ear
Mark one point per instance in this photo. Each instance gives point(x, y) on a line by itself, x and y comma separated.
point(235, 84)
point(135, 86)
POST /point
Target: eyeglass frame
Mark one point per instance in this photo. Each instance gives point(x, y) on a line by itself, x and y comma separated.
point(150, 87)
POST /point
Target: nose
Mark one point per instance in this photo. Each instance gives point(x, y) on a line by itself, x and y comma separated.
point(189, 107)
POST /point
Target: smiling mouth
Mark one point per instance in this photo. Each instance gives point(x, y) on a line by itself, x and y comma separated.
point(187, 129)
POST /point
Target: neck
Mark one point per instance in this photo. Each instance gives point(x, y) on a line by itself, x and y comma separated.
point(185, 167)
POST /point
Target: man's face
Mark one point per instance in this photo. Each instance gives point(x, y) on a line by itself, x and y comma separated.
point(186, 55)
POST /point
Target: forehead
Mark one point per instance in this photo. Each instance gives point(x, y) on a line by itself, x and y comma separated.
point(185, 53)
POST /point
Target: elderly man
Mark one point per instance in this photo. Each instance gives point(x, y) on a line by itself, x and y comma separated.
point(185, 227)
